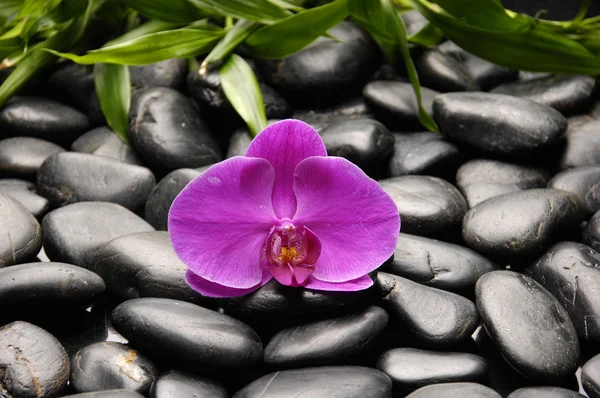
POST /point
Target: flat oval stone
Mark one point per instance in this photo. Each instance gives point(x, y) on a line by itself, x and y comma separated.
point(169, 134)
point(167, 73)
point(102, 141)
point(120, 393)
point(24, 192)
point(443, 73)
point(187, 333)
point(591, 232)
point(583, 146)
point(319, 118)
point(498, 123)
point(41, 118)
point(143, 264)
point(428, 205)
point(481, 179)
point(530, 328)
point(110, 365)
point(521, 224)
point(34, 364)
point(177, 384)
point(325, 381)
point(70, 177)
point(544, 392)
point(326, 342)
point(438, 264)
point(454, 390)
point(411, 368)
point(21, 157)
point(582, 181)
point(73, 233)
point(590, 377)
point(568, 94)
point(435, 317)
point(20, 233)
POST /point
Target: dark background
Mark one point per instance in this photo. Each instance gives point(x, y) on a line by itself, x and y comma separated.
point(557, 9)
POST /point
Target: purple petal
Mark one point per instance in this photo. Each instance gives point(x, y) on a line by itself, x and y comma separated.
point(355, 220)
point(219, 222)
point(211, 289)
point(285, 144)
point(362, 283)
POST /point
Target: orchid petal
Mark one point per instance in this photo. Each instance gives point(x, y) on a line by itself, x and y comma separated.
point(356, 222)
point(285, 144)
point(211, 289)
point(362, 283)
point(220, 221)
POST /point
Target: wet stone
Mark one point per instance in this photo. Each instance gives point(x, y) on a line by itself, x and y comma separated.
point(582, 146)
point(34, 364)
point(102, 141)
point(73, 233)
point(168, 73)
point(24, 192)
point(544, 392)
point(481, 179)
point(498, 123)
point(119, 393)
point(187, 333)
point(428, 205)
point(21, 157)
point(519, 225)
point(443, 73)
point(530, 328)
point(20, 233)
point(330, 341)
point(582, 181)
point(591, 232)
point(70, 177)
point(110, 365)
point(435, 317)
point(438, 264)
point(454, 390)
point(590, 377)
point(177, 384)
point(325, 381)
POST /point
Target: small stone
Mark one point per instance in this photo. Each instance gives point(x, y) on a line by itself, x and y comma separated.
point(319, 118)
point(120, 393)
point(582, 181)
point(443, 73)
point(454, 390)
point(167, 73)
point(102, 141)
point(530, 328)
point(582, 146)
point(544, 392)
point(21, 157)
point(177, 384)
point(24, 192)
point(590, 377)
point(20, 233)
point(239, 143)
point(109, 365)
point(591, 232)
point(70, 177)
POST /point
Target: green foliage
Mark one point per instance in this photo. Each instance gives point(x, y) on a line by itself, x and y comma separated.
point(261, 11)
point(168, 10)
point(235, 36)
point(113, 88)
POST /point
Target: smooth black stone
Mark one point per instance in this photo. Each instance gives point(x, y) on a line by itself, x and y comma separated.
point(77, 80)
point(177, 384)
point(365, 142)
point(568, 94)
point(26, 195)
point(325, 381)
point(435, 317)
point(423, 153)
point(354, 108)
point(143, 264)
point(110, 365)
point(168, 73)
point(437, 264)
point(544, 392)
point(41, 118)
point(187, 333)
point(428, 205)
point(394, 103)
point(481, 179)
point(525, 75)
point(238, 143)
point(20, 233)
point(21, 157)
point(591, 232)
point(590, 377)
point(582, 181)
point(569, 271)
point(102, 141)
point(582, 146)
point(33, 363)
point(70, 177)
point(326, 71)
point(169, 134)
point(454, 390)
point(411, 368)
point(326, 342)
point(443, 73)
point(162, 196)
point(521, 224)
point(530, 328)
point(119, 393)
point(498, 123)
point(73, 233)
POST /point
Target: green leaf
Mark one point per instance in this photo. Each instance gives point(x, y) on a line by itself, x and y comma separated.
point(168, 10)
point(151, 48)
point(243, 92)
point(232, 39)
point(297, 31)
point(113, 88)
point(8, 8)
point(288, 6)
point(151, 26)
point(429, 36)
point(253, 10)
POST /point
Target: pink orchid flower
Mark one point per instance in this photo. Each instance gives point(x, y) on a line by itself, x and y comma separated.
point(286, 211)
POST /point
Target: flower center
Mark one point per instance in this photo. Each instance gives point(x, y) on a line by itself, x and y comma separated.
point(290, 253)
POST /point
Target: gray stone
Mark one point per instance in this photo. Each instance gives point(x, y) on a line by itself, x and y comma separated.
point(544, 392)
point(21, 157)
point(24, 192)
point(177, 384)
point(582, 146)
point(102, 141)
point(454, 390)
point(583, 182)
point(20, 233)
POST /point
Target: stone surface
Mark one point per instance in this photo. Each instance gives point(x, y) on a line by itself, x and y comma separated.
point(582, 181)
point(119, 393)
point(544, 392)
point(319, 118)
point(326, 381)
point(34, 364)
point(590, 377)
point(20, 233)
point(70, 177)
point(582, 146)
point(239, 143)
point(530, 328)
point(498, 123)
point(110, 365)
point(21, 157)
point(454, 390)
point(177, 384)
point(591, 232)
point(77, 80)
point(73, 233)
point(444, 73)
point(24, 192)
point(435, 317)
point(168, 73)
point(102, 141)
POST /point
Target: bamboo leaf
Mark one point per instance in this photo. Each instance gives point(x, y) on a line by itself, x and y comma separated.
point(261, 11)
point(168, 10)
point(113, 88)
point(288, 6)
point(151, 26)
point(8, 8)
point(236, 35)
point(243, 92)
